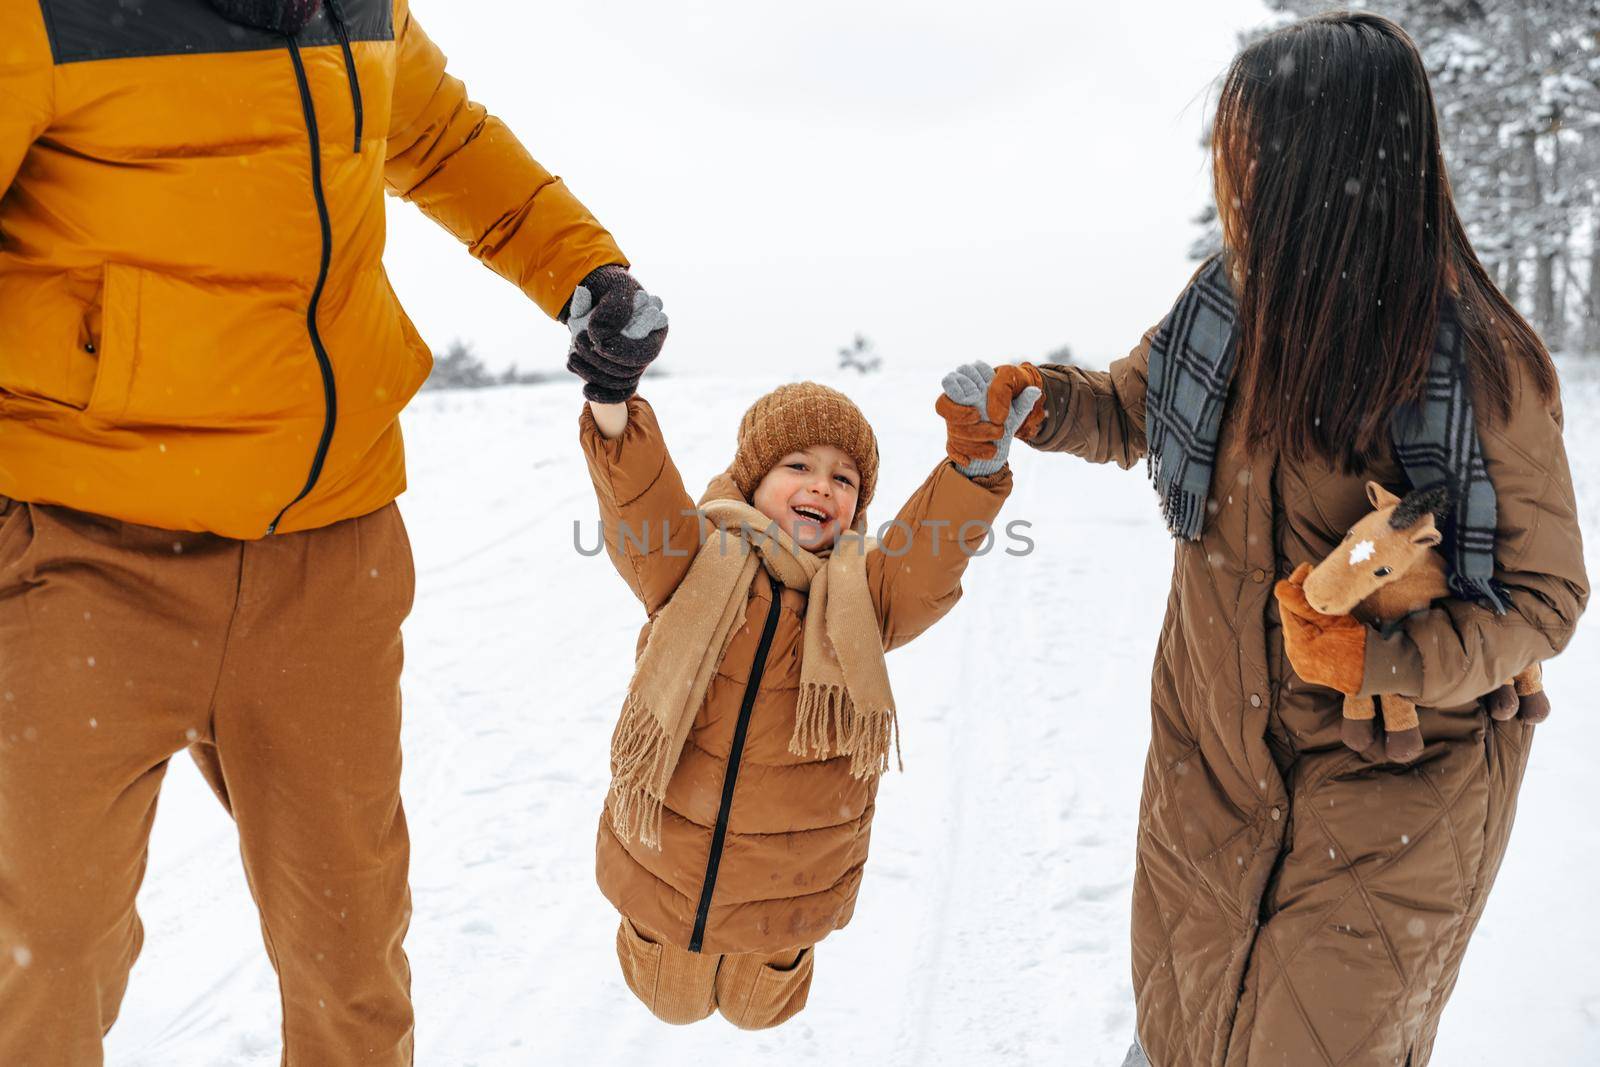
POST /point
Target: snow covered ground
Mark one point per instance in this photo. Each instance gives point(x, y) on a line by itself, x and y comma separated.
point(992, 926)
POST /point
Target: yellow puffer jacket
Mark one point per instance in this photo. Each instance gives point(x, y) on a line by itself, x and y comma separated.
point(196, 331)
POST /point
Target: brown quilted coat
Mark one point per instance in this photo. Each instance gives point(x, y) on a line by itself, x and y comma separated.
point(1295, 905)
point(796, 827)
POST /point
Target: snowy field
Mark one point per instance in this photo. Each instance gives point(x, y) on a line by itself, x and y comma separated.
point(992, 925)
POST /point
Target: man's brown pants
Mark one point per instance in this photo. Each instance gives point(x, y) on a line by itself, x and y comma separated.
point(277, 663)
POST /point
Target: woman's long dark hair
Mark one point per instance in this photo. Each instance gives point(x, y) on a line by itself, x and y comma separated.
point(1343, 234)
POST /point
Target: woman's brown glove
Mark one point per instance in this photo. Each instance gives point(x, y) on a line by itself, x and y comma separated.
point(984, 408)
point(1328, 650)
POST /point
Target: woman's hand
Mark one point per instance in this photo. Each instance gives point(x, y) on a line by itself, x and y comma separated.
point(1328, 650)
point(984, 409)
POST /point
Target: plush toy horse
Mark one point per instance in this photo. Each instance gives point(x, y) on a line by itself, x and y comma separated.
point(1386, 568)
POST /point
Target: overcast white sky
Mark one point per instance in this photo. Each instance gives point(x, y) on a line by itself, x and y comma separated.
point(955, 181)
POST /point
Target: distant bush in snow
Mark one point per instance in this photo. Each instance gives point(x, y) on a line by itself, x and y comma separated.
point(860, 355)
point(459, 367)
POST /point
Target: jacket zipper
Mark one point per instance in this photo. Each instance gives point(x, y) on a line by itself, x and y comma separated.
point(329, 394)
point(336, 13)
point(719, 836)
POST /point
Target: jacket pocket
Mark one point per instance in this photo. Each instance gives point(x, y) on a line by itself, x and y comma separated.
point(757, 994)
point(640, 960)
point(177, 351)
point(48, 333)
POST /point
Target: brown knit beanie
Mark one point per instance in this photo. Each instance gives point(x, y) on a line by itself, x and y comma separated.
point(797, 416)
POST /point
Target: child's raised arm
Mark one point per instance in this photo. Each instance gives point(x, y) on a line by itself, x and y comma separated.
point(651, 529)
point(915, 573)
point(611, 419)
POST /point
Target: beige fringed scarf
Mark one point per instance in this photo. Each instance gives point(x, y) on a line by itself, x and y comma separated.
point(846, 706)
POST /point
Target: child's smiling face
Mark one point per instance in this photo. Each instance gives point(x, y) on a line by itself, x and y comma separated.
point(811, 494)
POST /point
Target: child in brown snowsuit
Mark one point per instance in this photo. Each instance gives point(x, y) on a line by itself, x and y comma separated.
point(760, 715)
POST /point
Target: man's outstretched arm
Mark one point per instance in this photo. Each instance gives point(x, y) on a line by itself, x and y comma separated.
point(467, 171)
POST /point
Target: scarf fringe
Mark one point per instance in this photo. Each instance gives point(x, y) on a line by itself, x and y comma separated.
point(827, 722)
point(641, 764)
point(1179, 510)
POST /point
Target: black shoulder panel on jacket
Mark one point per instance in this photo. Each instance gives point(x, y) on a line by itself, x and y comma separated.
point(85, 30)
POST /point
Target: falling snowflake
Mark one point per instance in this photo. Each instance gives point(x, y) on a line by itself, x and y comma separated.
point(1362, 552)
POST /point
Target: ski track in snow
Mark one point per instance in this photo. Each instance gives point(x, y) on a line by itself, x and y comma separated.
point(993, 922)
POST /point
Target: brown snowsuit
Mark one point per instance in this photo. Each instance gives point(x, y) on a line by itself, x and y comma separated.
point(1295, 905)
point(761, 850)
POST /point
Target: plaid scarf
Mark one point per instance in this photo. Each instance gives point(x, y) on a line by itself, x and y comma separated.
point(1435, 440)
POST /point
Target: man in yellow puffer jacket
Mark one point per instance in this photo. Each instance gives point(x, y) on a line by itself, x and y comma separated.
point(202, 366)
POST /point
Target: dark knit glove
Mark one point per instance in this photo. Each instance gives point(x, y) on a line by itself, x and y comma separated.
point(617, 330)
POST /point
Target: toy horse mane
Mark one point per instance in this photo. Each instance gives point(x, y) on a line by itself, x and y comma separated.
point(1431, 500)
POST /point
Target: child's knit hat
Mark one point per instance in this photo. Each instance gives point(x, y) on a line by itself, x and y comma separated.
point(796, 416)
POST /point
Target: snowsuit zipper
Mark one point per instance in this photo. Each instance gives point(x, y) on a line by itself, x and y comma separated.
point(324, 364)
point(720, 834)
point(336, 13)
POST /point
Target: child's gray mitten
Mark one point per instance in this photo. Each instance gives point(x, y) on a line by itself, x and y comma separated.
point(983, 415)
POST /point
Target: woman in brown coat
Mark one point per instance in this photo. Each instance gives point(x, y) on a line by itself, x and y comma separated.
point(1296, 903)
point(759, 717)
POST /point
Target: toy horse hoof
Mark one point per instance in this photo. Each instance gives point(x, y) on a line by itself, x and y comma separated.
point(1535, 707)
point(1403, 746)
point(1359, 735)
point(1502, 703)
